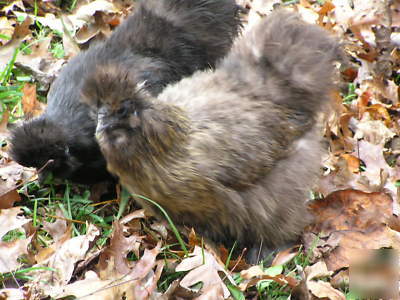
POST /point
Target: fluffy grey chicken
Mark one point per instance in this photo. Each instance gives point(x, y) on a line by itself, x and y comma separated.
point(163, 41)
point(231, 152)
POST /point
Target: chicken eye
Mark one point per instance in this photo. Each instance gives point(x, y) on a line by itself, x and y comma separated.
point(121, 112)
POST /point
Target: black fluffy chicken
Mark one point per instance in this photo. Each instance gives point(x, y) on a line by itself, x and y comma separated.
point(163, 41)
point(231, 152)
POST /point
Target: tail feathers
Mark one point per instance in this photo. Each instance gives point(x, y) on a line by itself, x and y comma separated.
point(295, 58)
point(213, 24)
point(189, 32)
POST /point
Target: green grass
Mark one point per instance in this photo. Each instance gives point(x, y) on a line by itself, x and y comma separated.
point(21, 274)
point(10, 96)
point(351, 94)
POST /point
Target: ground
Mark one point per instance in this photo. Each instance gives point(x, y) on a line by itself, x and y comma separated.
point(59, 239)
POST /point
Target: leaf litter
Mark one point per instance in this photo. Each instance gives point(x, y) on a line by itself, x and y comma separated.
point(359, 204)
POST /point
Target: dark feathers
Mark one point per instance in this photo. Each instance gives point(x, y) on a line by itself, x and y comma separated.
point(231, 152)
point(163, 41)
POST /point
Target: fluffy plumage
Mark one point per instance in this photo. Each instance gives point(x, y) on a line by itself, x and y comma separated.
point(231, 152)
point(163, 41)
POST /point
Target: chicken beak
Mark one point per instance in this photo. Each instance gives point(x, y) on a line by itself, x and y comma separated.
point(106, 124)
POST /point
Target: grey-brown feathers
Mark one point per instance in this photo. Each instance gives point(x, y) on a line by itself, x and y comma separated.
point(233, 151)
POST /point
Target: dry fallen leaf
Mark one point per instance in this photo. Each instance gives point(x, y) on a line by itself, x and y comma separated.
point(14, 4)
point(120, 246)
point(4, 121)
point(63, 261)
point(255, 274)
point(138, 283)
point(347, 221)
point(6, 29)
point(203, 267)
point(235, 264)
point(353, 163)
point(116, 286)
point(8, 199)
point(320, 288)
point(56, 229)
point(323, 289)
point(14, 250)
point(14, 294)
point(11, 174)
point(30, 105)
point(285, 256)
point(85, 12)
point(21, 32)
point(10, 219)
point(40, 63)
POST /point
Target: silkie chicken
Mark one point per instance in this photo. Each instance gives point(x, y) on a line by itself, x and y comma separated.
point(231, 152)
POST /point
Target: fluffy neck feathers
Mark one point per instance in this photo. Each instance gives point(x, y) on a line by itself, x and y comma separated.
point(158, 141)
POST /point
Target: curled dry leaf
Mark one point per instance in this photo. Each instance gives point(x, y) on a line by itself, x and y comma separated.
point(96, 28)
point(350, 220)
point(323, 289)
point(320, 288)
point(203, 267)
point(4, 122)
point(85, 11)
point(132, 221)
point(317, 270)
point(11, 175)
point(235, 264)
point(251, 272)
point(63, 261)
point(14, 250)
point(61, 24)
point(6, 29)
point(373, 131)
point(8, 199)
point(376, 176)
point(119, 247)
point(146, 262)
point(255, 274)
point(137, 214)
point(148, 286)
point(160, 228)
point(353, 163)
point(40, 63)
point(91, 287)
point(194, 240)
point(56, 229)
point(21, 32)
point(10, 219)
point(30, 105)
point(323, 13)
point(285, 256)
point(139, 283)
point(42, 254)
point(176, 291)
